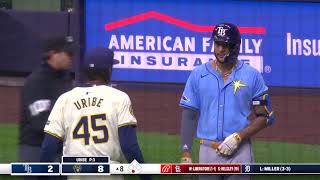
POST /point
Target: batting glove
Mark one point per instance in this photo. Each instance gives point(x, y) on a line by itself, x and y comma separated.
point(230, 144)
point(186, 158)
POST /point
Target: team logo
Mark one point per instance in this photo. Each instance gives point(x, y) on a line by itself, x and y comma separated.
point(247, 168)
point(77, 168)
point(237, 85)
point(27, 168)
point(221, 31)
point(165, 168)
point(204, 75)
point(178, 169)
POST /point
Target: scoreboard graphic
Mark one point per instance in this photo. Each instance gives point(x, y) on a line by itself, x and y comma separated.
point(101, 166)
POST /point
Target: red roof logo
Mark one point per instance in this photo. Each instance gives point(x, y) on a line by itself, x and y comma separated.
point(176, 22)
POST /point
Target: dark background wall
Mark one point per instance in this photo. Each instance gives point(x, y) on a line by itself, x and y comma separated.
point(24, 30)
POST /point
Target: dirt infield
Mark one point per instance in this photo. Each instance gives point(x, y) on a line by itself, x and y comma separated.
point(156, 108)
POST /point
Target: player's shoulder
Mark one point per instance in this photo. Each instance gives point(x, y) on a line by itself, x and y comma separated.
point(113, 93)
point(103, 91)
point(63, 98)
point(247, 68)
point(35, 79)
point(197, 71)
point(201, 67)
point(117, 92)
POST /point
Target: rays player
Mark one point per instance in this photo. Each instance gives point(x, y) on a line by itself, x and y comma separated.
point(94, 119)
point(223, 93)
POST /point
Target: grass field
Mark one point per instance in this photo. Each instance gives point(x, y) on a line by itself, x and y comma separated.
point(159, 148)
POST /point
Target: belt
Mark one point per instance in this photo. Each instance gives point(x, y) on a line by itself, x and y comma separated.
point(209, 143)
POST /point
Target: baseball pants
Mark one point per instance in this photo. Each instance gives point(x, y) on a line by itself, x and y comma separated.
point(244, 154)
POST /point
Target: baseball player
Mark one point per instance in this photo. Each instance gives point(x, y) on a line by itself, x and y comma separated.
point(94, 119)
point(223, 93)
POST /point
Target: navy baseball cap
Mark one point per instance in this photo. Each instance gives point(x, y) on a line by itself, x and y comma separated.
point(59, 44)
point(99, 58)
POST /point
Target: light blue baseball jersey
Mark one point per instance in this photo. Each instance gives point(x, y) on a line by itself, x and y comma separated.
point(223, 107)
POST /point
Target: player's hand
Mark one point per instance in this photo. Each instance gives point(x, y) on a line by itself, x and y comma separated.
point(186, 158)
point(230, 144)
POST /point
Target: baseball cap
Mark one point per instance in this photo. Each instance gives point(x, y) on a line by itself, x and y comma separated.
point(99, 58)
point(59, 44)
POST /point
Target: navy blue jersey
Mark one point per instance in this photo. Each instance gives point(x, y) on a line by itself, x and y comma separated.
point(41, 89)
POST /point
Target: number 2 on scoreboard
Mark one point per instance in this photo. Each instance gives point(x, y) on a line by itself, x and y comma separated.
point(50, 169)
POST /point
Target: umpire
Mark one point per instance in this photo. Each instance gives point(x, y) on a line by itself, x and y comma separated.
point(41, 89)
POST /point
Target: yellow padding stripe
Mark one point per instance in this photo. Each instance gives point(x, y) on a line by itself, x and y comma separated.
point(264, 96)
point(127, 124)
point(271, 113)
point(53, 134)
point(265, 106)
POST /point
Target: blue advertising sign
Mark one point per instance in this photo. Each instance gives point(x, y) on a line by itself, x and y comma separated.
point(162, 41)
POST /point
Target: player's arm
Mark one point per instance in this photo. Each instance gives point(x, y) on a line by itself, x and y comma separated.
point(129, 144)
point(128, 135)
point(130, 147)
point(188, 129)
point(264, 116)
point(37, 122)
point(38, 110)
point(36, 105)
point(127, 132)
point(261, 104)
point(50, 147)
point(54, 132)
point(190, 104)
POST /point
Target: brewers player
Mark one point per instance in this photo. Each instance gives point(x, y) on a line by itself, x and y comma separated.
point(94, 119)
point(223, 93)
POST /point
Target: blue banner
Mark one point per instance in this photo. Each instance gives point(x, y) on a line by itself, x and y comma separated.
point(284, 168)
point(52, 169)
point(162, 41)
point(85, 169)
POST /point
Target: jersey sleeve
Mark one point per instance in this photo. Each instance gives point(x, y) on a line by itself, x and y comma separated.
point(259, 86)
point(125, 116)
point(54, 125)
point(190, 96)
